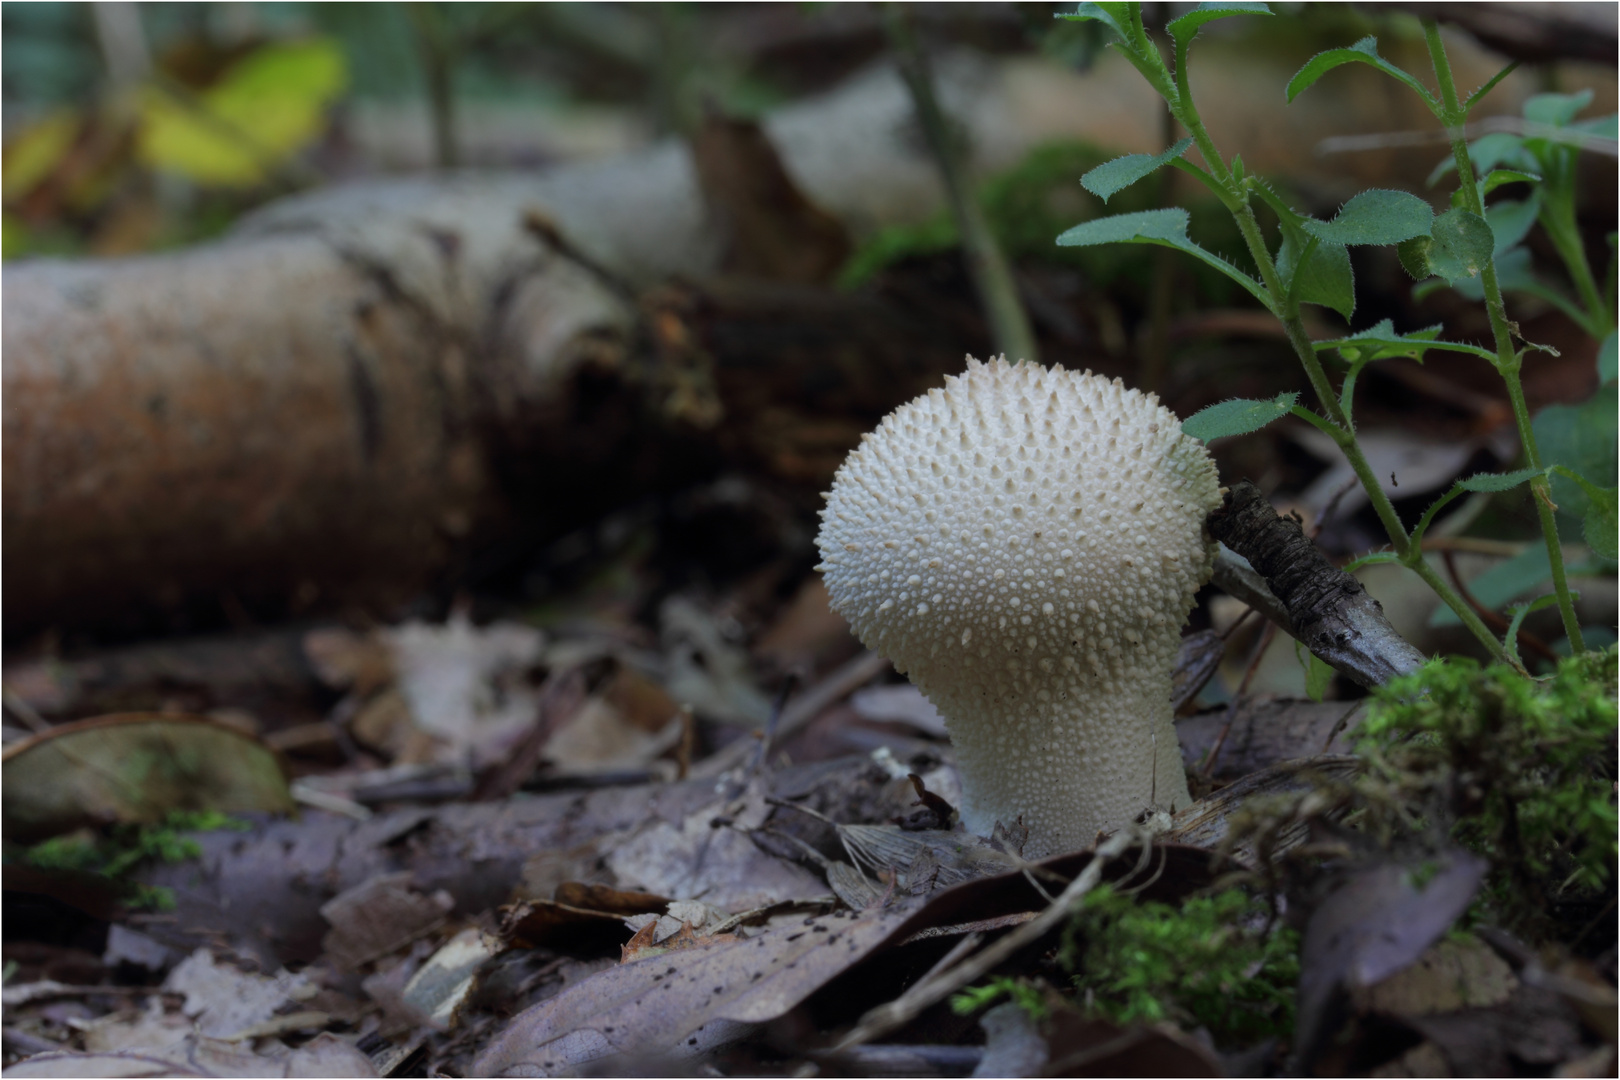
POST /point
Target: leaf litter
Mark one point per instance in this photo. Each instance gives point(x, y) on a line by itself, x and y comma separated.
point(600, 913)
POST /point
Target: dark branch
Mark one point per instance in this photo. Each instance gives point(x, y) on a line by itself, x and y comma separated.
point(1319, 605)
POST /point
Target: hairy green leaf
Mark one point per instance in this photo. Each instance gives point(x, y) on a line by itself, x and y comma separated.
point(1115, 16)
point(1519, 611)
point(1414, 256)
point(1463, 244)
point(1479, 482)
point(1379, 216)
point(1237, 417)
point(1271, 198)
point(1497, 177)
point(1122, 172)
point(1185, 28)
point(1324, 277)
point(1489, 85)
point(1364, 51)
point(1381, 342)
point(1497, 481)
point(1167, 228)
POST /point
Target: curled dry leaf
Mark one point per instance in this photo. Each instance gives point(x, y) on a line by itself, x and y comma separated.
point(577, 909)
point(443, 984)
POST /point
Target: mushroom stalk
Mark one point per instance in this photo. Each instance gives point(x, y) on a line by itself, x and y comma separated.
point(1025, 544)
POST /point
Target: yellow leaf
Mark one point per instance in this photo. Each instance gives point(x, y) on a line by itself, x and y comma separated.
point(33, 154)
point(267, 107)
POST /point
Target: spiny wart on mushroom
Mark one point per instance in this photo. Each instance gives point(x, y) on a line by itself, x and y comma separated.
point(1025, 545)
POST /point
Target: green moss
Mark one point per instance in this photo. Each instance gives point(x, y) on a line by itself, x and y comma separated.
point(124, 847)
point(1522, 770)
point(1030, 997)
point(1217, 962)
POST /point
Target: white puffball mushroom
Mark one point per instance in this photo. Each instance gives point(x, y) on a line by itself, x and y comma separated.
point(1025, 544)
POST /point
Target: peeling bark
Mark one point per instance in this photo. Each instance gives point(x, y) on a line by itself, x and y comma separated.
point(1323, 608)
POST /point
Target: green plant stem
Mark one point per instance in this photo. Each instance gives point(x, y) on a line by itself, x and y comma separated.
point(1560, 225)
point(987, 265)
point(1287, 310)
point(437, 50)
point(1508, 360)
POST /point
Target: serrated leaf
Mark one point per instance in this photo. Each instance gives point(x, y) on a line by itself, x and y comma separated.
point(1167, 228)
point(1325, 277)
point(1115, 16)
point(1114, 176)
point(1237, 417)
point(1379, 216)
point(1463, 244)
point(1607, 364)
point(1185, 28)
point(1510, 220)
point(1364, 51)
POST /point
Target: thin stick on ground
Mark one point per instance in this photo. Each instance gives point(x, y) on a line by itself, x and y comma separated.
point(942, 983)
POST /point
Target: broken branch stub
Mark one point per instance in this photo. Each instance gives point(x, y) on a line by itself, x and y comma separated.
point(1326, 609)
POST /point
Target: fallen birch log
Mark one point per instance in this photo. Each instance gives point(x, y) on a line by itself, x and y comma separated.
point(358, 384)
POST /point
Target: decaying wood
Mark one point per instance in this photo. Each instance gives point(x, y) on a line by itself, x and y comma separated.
point(1324, 608)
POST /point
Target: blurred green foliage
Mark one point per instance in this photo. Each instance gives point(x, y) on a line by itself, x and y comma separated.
point(1028, 204)
point(125, 847)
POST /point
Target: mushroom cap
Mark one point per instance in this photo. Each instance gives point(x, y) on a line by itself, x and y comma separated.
point(1025, 544)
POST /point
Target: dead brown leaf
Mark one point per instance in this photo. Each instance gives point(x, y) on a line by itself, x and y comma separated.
point(683, 1005)
point(379, 916)
point(198, 1055)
